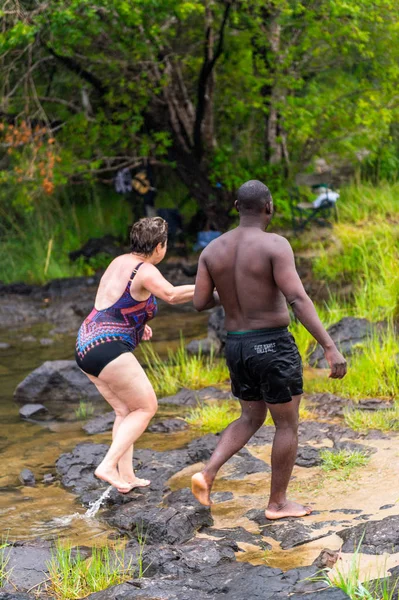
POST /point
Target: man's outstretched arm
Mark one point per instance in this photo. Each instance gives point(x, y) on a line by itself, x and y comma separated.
point(288, 281)
point(204, 296)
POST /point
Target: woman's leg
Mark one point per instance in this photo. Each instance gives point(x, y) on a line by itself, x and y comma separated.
point(131, 389)
point(125, 464)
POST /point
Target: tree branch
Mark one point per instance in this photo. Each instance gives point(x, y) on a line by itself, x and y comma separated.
point(75, 67)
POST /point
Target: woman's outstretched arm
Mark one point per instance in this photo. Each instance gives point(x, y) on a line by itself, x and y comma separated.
point(153, 281)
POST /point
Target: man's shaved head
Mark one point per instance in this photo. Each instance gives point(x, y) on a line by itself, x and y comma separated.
point(252, 197)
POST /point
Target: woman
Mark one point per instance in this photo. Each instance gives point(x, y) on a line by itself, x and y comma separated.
point(125, 301)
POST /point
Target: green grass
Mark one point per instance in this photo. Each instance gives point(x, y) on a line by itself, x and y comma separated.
point(72, 576)
point(349, 581)
point(4, 560)
point(372, 371)
point(183, 370)
point(35, 244)
point(216, 416)
point(341, 464)
point(84, 410)
point(364, 420)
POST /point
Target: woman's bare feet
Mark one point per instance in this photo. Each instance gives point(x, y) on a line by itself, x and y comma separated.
point(136, 482)
point(111, 475)
point(286, 509)
point(201, 489)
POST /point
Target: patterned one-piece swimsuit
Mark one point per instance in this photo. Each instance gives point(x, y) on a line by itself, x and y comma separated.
point(106, 334)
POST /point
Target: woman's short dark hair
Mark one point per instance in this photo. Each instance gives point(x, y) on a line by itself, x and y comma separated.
point(147, 233)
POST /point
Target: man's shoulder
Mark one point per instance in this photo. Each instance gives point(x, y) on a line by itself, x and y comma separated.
point(277, 241)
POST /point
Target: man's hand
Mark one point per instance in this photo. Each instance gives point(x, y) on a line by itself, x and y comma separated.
point(147, 335)
point(337, 363)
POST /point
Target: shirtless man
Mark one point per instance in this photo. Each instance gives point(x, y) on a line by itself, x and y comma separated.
point(255, 276)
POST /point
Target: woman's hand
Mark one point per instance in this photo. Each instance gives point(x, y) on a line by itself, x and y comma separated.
point(147, 335)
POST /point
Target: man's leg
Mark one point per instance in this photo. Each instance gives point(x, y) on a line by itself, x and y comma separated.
point(234, 437)
point(284, 451)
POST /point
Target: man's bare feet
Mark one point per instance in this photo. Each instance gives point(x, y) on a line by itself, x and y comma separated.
point(287, 509)
point(201, 489)
point(112, 476)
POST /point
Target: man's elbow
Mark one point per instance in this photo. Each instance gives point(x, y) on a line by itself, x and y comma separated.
point(298, 299)
point(198, 304)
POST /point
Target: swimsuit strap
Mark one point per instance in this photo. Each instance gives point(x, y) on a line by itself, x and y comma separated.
point(132, 275)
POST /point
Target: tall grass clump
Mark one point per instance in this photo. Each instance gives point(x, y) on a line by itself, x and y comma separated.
point(84, 410)
point(341, 464)
point(72, 576)
point(372, 372)
point(364, 420)
point(365, 203)
point(350, 581)
point(182, 369)
point(212, 418)
point(4, 560)
point(35, 243)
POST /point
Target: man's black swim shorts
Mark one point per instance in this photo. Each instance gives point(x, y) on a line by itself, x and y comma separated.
point(264, 364)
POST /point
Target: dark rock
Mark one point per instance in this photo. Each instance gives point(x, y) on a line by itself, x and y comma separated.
point(329, 405)
point(362, 518)
point(205, 346)
point(375, 537)
point(347, 511)
point(77, 467)
point(15, 596)
point(190, 270)
point(289, 533)
point(328, 594)
point(192, 557)
point(28, 411)
point(200, 450)
point(100, 424)
point(347, 333)
point(26, 477)
point(27, 564)
point(373, 404)
point(168, 426)
point(257, 515)
point(326, 559)
point(160, 525)
point(308, 456)
point(263, 436)
point(49, 478)
point(186, 397)
point(243, 463)
point(218, 497)
point(216, 328)
point(354, 447)
point(107, 244)
point(238, 534)
point(386, 506)
point(56, 381)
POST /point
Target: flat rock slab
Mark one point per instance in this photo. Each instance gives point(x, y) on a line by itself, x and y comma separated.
point(77, 467)
point(238, 534)
point(15, 596)
point(27, 563)
point(100, 424)
point(29, 411)
point(168, 426)
point(308, 456)
point(328, 594)
point(56, 381)
point(375, 537)
point(263, 436)
point(329, 405)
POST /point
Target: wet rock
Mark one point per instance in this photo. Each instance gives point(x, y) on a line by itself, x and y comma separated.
point(326, 559)
point(27, 564)
point(205, 346)
point(216, 328)
point(376, 537)
point(329, 405)
point(160, 525)
point(238, 534)
point(186, 397)
point(168, 426)
point(354, 447)
point(192, 557)
point(308, 456)
point(347, 511)
point(386, 506)
point(373, 404)
point(49, 478)
point(56, 381)
point(347, 333)
point(200, 450)
point(257, 515)
point(218, 497)
point(27, 478)
point(263, 436)
point(327, 594)
point(289, 533)
point(30, 411)
point(77, 467)
point(100, 424)
point(15, 596)
point(243, 464)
